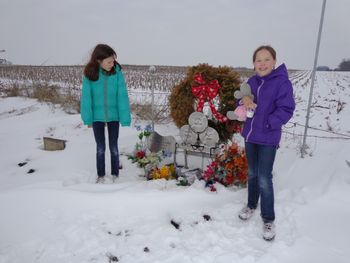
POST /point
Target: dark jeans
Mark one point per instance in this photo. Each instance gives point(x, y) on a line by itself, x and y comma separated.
point(113, 134)
point(260, 165)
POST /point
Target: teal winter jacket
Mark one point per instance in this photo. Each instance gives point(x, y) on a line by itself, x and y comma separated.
point(105, 99)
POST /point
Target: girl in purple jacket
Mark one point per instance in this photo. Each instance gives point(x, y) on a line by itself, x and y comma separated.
point(273, 106)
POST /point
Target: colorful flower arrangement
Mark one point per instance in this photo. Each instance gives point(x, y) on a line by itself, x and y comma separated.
point(140, 155)
point(167, 172)
point(141, 146)
point(230, 167)
point(150, 161)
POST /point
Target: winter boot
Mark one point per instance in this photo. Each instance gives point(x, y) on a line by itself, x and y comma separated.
point(100, 180)
point(269, 231)
point(246, 213)
point(114, 177)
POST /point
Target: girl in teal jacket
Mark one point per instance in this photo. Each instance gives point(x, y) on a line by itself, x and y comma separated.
point(104, 102)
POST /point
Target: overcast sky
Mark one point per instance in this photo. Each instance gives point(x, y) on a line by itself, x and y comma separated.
point(173, 32)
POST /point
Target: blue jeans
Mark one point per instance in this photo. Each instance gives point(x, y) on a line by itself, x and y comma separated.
point(260, 165)
point(113, 134)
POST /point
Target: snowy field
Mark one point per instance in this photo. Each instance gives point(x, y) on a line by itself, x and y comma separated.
point(58, 214)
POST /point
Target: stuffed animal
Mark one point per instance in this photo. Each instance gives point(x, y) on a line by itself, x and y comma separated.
point(244, 90)
point(241, 113)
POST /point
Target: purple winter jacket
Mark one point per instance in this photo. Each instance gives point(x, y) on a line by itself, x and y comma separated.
point(273, 95)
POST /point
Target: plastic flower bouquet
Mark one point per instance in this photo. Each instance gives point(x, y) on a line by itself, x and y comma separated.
point(150, 161)
point(140, 154)
point(230, 167)
point(167, 172)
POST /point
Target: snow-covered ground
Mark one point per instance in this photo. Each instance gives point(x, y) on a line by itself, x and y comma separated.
point(58, 214)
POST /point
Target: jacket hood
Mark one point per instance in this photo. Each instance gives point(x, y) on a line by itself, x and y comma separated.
point(280, 71)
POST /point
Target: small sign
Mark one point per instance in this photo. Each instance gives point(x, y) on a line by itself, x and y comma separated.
point(157, 142)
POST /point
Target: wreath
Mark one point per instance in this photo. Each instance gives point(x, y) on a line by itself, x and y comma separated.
point(205, 85)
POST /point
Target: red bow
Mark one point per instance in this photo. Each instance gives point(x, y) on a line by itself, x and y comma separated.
point(206, 91)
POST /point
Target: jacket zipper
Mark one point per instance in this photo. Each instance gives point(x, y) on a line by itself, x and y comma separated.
point(105, 93)
point(257, 99)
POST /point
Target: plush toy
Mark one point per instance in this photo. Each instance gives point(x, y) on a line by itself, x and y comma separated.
point(241, 113)
point(244, 90)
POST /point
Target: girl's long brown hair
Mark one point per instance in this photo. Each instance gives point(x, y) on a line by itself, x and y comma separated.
point(100, 52)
